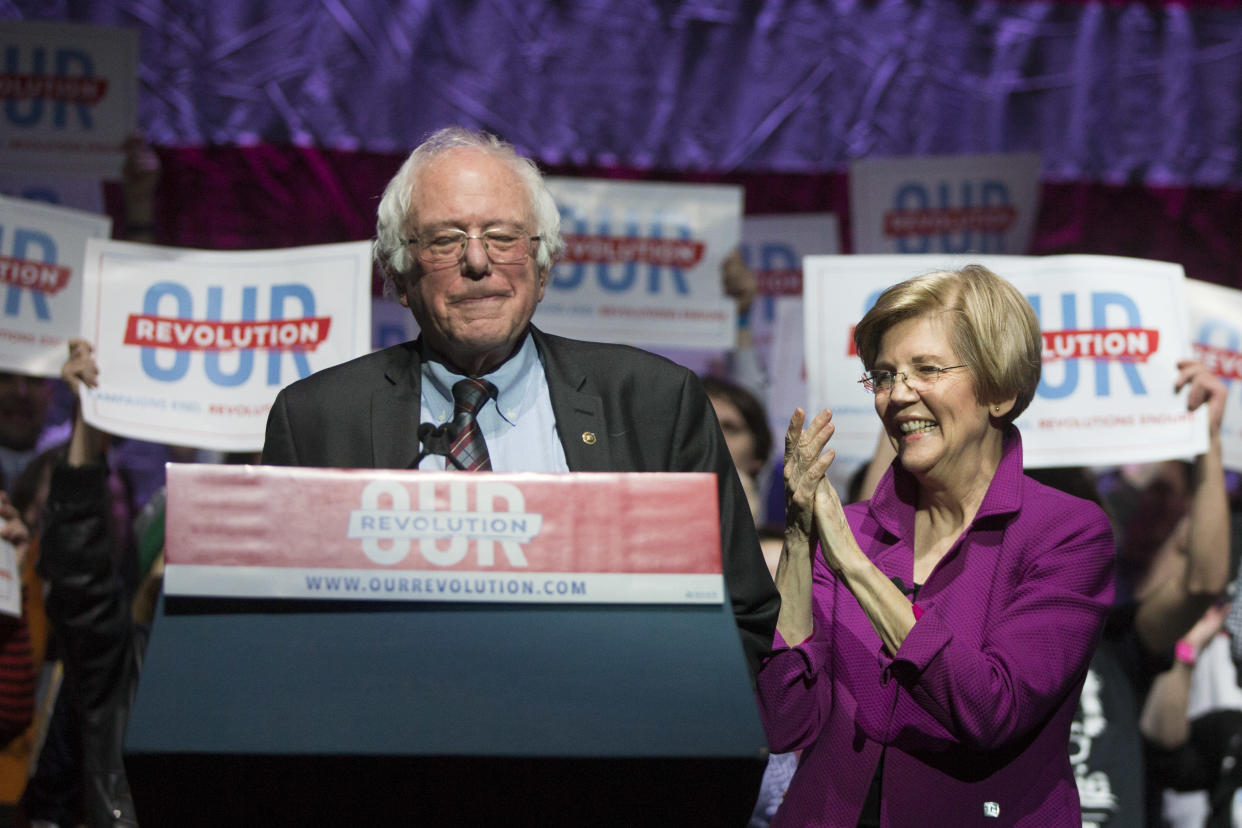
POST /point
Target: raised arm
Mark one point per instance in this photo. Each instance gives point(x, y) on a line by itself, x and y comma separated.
point(1174, 604)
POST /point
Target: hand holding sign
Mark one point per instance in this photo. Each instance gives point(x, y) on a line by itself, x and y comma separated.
point(1205, 387)
point(81, 371)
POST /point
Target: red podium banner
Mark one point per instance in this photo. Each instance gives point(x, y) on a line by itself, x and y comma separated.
point(277, 532)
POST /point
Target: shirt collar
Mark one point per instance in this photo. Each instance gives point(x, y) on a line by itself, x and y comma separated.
point(510, 379)
point(896, 495)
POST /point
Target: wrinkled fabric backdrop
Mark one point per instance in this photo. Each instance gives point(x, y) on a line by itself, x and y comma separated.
point(279, 121)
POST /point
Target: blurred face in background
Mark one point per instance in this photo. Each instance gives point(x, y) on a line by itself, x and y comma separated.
point(24, 405)
point(741, 442)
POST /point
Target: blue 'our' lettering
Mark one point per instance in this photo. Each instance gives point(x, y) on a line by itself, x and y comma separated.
point(1101, 303)
point(915, 195)
point(772, 256)
point(156, 303)
point(25, 244)
point(29, 112)
point(620, 277)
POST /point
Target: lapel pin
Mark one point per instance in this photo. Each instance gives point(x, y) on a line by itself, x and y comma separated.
point(588, 437)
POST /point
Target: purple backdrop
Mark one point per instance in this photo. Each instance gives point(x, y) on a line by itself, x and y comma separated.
point(278, 121)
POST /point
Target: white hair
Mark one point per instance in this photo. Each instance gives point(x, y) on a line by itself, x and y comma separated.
point(390, 249)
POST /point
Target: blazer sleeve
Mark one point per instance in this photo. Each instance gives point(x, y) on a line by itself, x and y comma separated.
point(1031, 656)
point(278, 445)
point(701, 447)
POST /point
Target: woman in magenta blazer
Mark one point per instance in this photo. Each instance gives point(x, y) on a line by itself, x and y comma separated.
point(929, 655)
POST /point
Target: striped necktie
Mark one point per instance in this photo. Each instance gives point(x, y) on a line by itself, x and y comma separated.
point(469, 451)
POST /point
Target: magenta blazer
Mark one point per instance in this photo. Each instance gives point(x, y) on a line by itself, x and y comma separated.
point(975, 708)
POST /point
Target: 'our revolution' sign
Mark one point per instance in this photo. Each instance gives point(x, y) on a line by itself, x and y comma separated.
point(194, 345)
point(944, 205)
point(41, 253)
point(1112, 332)
point(642, 263)
point(367, 535)
point(68, 96)
point(1216, 329)
point(773, 246)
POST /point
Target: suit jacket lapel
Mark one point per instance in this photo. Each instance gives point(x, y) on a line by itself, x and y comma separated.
point(579, 411)
point(395, 410)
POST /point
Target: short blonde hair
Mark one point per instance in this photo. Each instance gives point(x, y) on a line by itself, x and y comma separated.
point(993, 329)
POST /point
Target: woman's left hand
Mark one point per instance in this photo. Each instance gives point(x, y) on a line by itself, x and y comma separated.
point(836, 541)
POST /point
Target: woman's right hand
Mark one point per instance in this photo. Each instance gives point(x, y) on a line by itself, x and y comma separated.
point(806, 462)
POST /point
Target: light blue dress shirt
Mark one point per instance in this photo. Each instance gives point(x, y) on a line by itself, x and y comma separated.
point(518, 426)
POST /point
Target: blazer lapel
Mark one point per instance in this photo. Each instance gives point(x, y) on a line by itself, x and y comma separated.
point(395, 410)
point(579, 413)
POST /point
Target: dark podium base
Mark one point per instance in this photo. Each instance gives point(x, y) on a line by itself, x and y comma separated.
point(192, 790)
point(301, 713)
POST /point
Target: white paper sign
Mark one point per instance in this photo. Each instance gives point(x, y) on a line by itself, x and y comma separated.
point(68, 96)
point(1216, 330)
point(945, 205)
point(10, 581)
point(1113, 331)
point(774, 246)
point(41, 253)
point(642, 263)
point(193, 345)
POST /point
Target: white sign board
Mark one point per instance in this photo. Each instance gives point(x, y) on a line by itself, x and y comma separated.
point(642, 263)
point(1216, 330)
point(774, 246)
point(1113, 331)
point(41, 253)
point(947, 205)
point(68, 96)
point(193, 345)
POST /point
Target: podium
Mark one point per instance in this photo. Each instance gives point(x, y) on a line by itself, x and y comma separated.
point(462, 710)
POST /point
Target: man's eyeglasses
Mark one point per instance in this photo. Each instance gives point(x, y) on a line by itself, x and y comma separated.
point(502, 246)
point(919, 377)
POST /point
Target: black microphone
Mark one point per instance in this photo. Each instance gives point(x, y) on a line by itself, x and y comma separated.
point(436, 439)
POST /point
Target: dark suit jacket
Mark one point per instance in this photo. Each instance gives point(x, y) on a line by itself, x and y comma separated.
point(647, 414)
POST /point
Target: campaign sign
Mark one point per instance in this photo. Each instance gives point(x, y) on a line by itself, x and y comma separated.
point(193, 345)
point(952, 204)
point(642, 263)
point(385, 535)
point(1113, 331)
point(1216, 332)
point(773, 246)
point(69, 96)
point(41, 253)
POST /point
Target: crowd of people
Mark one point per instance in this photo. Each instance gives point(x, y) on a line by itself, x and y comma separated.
point(956, 641)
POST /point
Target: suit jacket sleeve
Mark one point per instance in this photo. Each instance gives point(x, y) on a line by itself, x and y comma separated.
point(278, 447)
point(700, 446)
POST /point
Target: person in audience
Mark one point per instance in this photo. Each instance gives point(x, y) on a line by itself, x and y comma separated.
point(1192, 724)
point(466, 235)
point(102, 632)
point(17, 670)
point(932, 641)
point(1173, 564)
point(25, 402)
